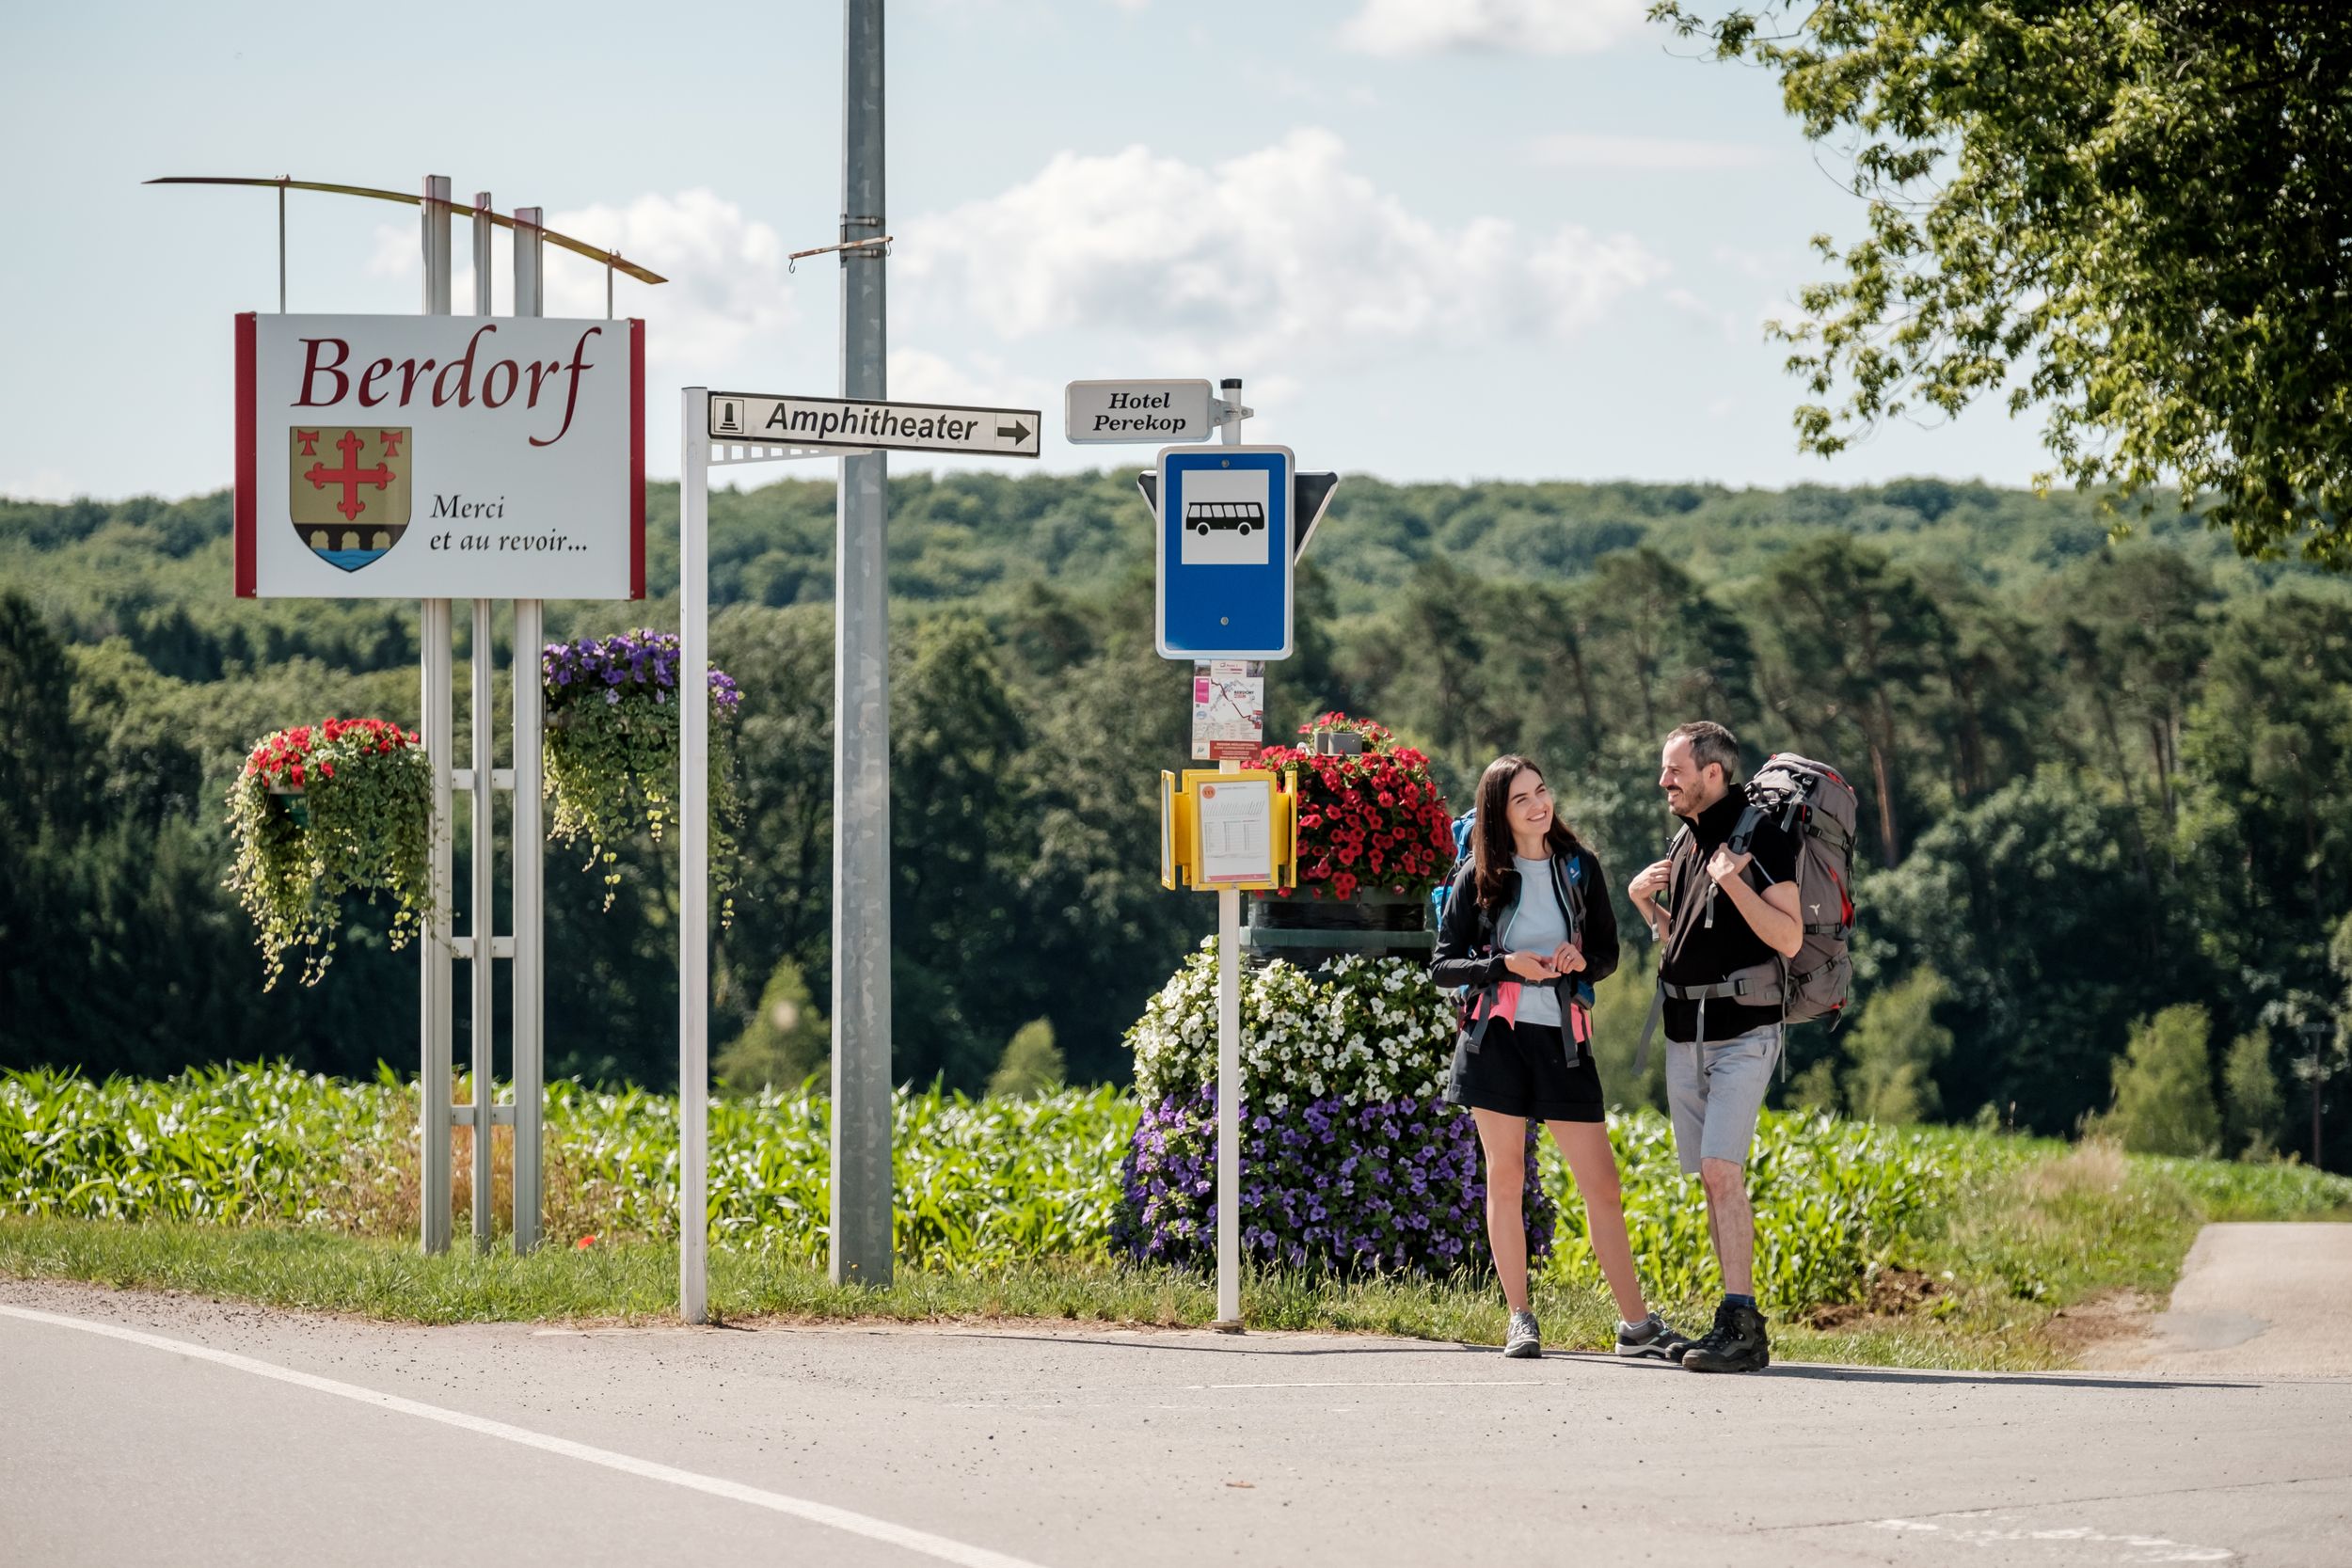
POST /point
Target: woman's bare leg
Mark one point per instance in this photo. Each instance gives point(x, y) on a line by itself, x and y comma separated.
point(1504, 1139)
point(1594, 1163)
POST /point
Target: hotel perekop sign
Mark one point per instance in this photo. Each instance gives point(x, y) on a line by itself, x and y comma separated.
point(441, 457)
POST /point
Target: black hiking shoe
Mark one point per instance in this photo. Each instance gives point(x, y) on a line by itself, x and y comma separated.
point(1653, 1338)
point(1735, 1344)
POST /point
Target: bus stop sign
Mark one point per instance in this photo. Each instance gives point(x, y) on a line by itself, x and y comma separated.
point(1227, 523)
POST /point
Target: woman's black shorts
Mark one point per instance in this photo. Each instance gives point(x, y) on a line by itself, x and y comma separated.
point(1522, 1070)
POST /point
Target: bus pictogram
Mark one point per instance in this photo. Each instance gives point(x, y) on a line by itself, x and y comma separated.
point(1241, 516)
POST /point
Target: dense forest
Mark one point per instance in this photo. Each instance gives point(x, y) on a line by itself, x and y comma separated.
point(2099, 780)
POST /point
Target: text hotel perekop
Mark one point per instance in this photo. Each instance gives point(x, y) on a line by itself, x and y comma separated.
point(423, 457)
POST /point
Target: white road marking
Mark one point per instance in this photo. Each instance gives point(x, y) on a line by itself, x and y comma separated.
point(2147, 1548)
point(1418, 1383)
point(843, 1519)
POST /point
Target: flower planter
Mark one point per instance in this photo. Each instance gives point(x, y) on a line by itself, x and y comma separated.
point(1310, 931)
point(1352, 1164)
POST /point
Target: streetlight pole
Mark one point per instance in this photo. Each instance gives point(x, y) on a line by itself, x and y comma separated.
point(861, 715)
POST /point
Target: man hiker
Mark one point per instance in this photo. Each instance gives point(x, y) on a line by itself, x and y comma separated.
point(1725, 922)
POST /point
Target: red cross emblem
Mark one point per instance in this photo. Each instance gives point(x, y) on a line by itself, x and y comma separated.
point(350, 476)
point(351, 513)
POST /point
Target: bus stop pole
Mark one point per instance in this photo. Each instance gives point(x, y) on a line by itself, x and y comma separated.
point(1229, 1053)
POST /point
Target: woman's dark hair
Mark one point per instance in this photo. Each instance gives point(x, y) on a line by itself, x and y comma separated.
point(1492, 846)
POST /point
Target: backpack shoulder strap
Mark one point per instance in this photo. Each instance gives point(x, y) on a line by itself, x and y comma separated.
point(1683, 839)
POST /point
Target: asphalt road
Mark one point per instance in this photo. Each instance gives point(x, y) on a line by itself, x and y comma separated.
point(191, 1431)
point(2269, 1300)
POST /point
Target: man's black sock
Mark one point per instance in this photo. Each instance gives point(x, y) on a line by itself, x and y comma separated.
point(1748, 1302)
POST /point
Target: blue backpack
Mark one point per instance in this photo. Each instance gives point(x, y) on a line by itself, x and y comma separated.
point(1464, 826)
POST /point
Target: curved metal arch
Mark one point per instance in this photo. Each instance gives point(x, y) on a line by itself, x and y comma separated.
point(579, 248)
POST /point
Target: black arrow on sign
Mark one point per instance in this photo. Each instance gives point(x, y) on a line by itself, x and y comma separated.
point(1015, 432)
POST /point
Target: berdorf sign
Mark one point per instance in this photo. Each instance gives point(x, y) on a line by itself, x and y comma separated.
point(441, 457)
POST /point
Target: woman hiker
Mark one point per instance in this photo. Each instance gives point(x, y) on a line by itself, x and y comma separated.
point(1526, 927)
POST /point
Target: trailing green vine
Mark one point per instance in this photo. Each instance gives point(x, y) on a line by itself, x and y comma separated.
point(611, 755)
point(320, 812)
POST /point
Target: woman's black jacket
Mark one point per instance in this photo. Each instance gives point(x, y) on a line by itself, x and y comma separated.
point(1466, 952)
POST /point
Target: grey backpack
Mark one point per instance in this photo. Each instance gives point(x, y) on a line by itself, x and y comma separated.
point(1813, 801)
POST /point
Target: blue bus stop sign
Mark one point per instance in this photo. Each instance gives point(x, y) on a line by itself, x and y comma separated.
point(1225, 552)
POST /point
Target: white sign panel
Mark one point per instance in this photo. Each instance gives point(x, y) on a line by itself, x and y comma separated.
point(1236, 832)
point(1227, 710)
point(441, 457)
point(874, 427)
point(1157, 412)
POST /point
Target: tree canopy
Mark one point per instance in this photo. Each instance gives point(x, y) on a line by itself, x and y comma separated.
point(2133, 215)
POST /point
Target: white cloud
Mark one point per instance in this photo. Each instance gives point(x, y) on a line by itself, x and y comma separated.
point(1581, 150)
point(1276, 260)
point(727, 307)
point(42, 484)
point(920, 376)
point(727, 288)
point(1400, 27)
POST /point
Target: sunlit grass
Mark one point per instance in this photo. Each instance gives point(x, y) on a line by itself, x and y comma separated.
point(1912, 1248)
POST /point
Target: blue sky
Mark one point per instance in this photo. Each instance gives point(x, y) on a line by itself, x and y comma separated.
point(1440, 239)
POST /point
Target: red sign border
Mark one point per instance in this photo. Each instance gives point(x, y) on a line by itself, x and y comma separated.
point(248, 497)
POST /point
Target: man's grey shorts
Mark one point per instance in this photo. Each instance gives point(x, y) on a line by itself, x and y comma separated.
point(1715, 1104)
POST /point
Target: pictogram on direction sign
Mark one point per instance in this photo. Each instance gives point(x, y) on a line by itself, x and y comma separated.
point(874, 427)
point(1225, 525)
point(1098, 412)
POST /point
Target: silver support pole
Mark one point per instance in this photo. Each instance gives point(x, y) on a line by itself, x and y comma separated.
point(1228, 1054)
point(482, 801)
point(483, 228)
point(693, 845)
point(529, 973)
point(281, 248)
point(861, 1206)
point(435, 631)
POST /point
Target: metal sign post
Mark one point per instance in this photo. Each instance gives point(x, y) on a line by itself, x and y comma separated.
point(1229, 975)
point(701, 451)
point(1229, 523)
point(281, 553)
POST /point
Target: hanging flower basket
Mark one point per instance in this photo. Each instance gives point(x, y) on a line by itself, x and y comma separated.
point(611, 754)
point(1374, 822)
point(322, 812)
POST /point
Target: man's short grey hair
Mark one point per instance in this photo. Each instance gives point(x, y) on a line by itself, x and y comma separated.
point(1710, 742)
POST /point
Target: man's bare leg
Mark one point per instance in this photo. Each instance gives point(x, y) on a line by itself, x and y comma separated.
point(1731, 1223)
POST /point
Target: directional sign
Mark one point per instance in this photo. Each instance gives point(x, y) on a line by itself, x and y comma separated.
point(874, 427)
point(1225, 521)
point(1096, 412)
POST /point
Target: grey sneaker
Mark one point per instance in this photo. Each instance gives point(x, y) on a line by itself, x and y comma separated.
point(1522, 1339)
point(1654, 1337)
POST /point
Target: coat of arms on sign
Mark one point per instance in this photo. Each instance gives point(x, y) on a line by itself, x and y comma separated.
point(348, 489)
